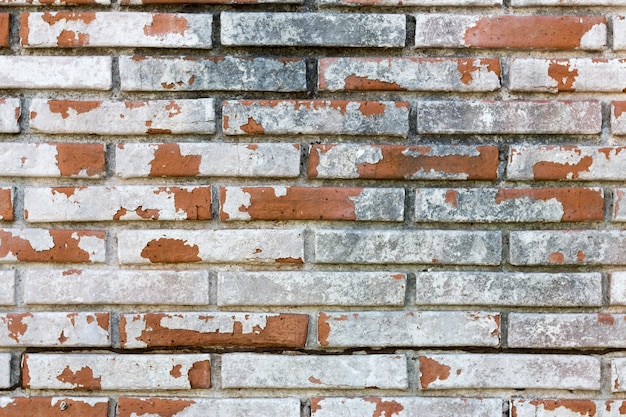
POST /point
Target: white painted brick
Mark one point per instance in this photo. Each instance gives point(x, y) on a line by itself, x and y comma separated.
point(509, 289)
point(116, 287)
point(406, 407)
point(582, 163)
point(566, 331)
point(413, 328)
point(52, 160)
point(98, 203)
point(114, 372)
point(253, 370)
point(115, 29)
point(142, 73)
point(617, 288)
point(10, 109)
point(7, 287)
point(263, 160)
point(455, 371)
point(619, 209)
point(568, 247)
point(508, 204)
point(337, 117)
point(576, 74)
point(412, 74)
point(40, 329)
point(313, 29)
point(406, 247)
point(209, 407)
point(184, 116)
point(509, 117)
point(618, 119)
point(63, 72)
point(5, 370)
point(308, 288)
point(618, 370)
point(619, 33)
point(212, 246)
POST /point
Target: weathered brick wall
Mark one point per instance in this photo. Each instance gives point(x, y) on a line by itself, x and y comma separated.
point(312, 208)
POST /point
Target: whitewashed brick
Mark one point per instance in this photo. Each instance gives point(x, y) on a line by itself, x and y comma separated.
point(618, 119)
point(560, 75)
point(116, 287)
point(313, 29)
point(253, 370)
point(308, 288)
point(618, 369)
point(455, 371)
point(509, 289)
point(7, 287)
point(185, 116)
point(413, 328)
point(509, 117)
point(509, 204)
point(115, 372)
point(412, 74)
point(52, 160)
point(619, 33)
point(5, 370)
point(338, 117)
point(209, 407)
point(568, 247)
point(406, 407)
point(406, 247)
point(263, 160)
point(141, 73)
point(617, 288)
point(212, 246)
point(10, 109)
point(99, 203)
point(115, 29)
point(566, 331)
point(619, 209)
point(583, 163)
point(40, 329)
point(63, 72)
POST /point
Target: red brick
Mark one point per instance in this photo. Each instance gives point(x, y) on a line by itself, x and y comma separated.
point(54, 407)
point(62, 246)
point(511, 32)
point(311, 203)
point(4, 30)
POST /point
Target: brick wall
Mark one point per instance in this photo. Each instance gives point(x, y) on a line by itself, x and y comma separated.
point(312, 208)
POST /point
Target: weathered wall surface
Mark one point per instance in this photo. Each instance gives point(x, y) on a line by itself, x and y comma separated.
point(312, 208)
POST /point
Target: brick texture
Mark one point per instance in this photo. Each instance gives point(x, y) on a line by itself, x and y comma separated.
point(320, 208)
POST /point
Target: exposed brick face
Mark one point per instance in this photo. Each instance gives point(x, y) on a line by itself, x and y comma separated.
point(320, 208)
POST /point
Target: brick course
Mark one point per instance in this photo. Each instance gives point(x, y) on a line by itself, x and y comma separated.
point(321, 208)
